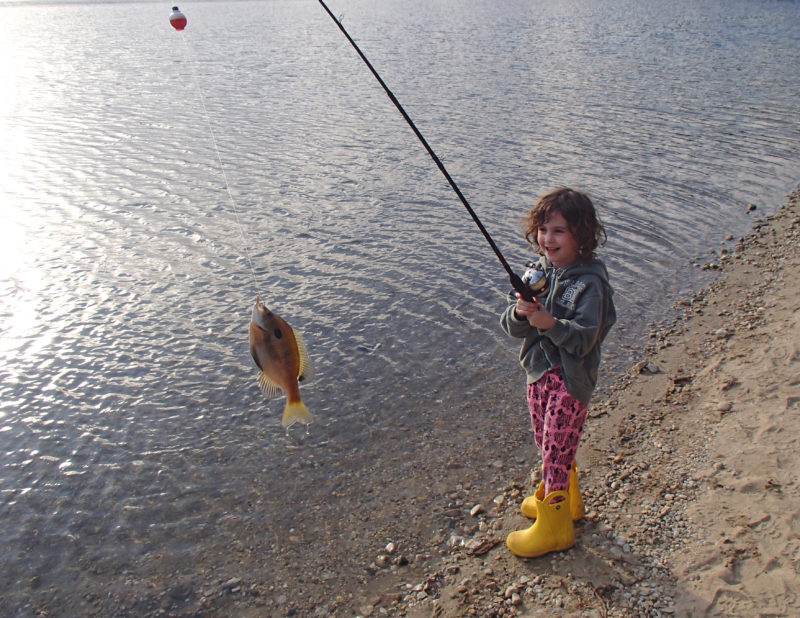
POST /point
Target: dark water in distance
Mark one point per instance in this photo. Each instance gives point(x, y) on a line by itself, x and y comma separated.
point(125, 286)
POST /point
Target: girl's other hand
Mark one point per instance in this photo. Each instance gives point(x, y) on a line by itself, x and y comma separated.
point(534, 312)
point(525, 308)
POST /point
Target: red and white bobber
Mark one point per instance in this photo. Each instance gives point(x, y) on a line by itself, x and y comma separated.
point(177, 19)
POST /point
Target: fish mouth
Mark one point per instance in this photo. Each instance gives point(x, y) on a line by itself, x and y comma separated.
point(259, 314)
point(255, 316)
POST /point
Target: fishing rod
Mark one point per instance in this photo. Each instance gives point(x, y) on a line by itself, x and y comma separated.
point(516, 281)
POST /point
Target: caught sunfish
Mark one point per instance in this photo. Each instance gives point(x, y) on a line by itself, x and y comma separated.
point(282, 358)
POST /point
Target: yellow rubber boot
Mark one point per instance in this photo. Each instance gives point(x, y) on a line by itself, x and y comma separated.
point(528, 507)
point(552, 531)
point(576, 500)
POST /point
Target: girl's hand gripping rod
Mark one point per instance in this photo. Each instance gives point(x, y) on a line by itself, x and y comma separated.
point(516, 281)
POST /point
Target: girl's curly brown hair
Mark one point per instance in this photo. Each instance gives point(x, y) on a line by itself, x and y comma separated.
point(579, 213)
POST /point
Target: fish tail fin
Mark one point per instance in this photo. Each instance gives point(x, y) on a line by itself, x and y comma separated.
point(296, 412)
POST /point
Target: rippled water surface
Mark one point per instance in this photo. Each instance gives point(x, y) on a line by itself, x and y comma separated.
point(144, 171)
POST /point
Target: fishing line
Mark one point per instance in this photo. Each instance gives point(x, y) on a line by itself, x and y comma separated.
point(219, 161)
point(516, 281)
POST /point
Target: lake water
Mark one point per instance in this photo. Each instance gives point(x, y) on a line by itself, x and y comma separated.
point(145, 170)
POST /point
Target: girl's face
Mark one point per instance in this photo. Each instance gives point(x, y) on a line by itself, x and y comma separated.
point(556, 240)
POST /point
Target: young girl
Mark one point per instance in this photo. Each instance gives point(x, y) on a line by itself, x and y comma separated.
point(562, 332)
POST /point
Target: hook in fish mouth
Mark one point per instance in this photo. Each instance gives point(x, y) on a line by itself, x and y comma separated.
point(260, 313)
point(255, 315)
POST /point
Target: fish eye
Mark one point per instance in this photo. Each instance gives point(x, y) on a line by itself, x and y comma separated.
point(278, 333)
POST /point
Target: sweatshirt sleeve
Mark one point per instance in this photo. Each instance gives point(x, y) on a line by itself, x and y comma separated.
point(579, 334)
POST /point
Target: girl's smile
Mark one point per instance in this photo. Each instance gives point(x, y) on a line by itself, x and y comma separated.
point(557, 241)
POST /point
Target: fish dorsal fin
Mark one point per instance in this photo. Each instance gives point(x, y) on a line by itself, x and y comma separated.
point(267, 386)
point(306, 371)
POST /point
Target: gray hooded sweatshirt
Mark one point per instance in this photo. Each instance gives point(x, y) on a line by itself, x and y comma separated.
point(581, 301)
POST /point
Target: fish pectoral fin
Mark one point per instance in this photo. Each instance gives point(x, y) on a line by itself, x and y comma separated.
point(306, 370)
point(296, 412)
point(267, 386)
point(255, 356)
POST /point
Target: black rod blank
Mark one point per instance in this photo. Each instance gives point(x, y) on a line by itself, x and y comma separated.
point(516, 281)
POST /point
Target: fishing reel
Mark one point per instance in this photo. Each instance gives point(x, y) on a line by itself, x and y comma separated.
point(536, 280)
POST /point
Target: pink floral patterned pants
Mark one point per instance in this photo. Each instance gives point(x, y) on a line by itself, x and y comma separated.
point(558, 420)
